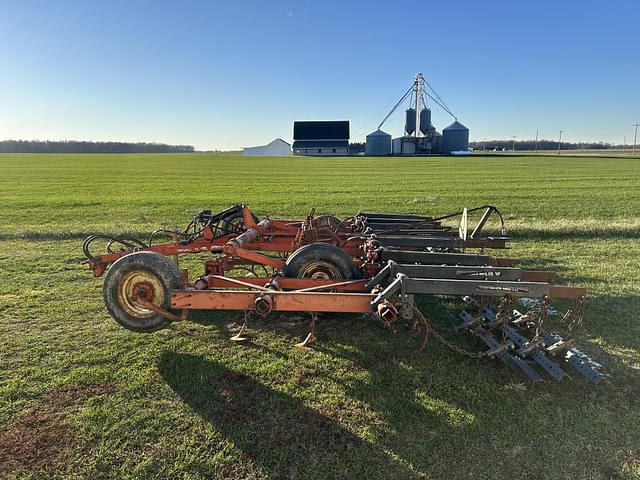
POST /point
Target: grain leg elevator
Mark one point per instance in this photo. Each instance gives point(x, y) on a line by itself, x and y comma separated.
point(420, 136)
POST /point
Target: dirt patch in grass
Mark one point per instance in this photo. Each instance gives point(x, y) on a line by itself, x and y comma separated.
point(40, 436)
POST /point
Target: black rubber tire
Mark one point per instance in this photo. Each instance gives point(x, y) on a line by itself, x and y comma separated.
point(232, 222)
point(299, 260)
point(160, 269)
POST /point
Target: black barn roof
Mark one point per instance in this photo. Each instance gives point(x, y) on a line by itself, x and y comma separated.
point(334, 130)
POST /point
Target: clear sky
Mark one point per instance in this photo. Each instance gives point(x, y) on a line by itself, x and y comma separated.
point(227, 74)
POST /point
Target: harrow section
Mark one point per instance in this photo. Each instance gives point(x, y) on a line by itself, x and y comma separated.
point(505, 335)
point(370, 263)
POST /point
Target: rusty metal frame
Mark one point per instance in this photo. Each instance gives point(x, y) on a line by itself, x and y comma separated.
point(284, 235)
point(281, 301)
point(392, 268)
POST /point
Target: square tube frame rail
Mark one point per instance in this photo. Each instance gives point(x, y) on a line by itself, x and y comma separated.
point(349, 302)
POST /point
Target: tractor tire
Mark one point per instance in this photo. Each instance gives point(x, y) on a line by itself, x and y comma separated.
point(320, 261)
point(158, 273)
point(234, 223)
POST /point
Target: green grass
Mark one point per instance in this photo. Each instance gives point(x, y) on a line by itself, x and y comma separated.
point(92, 400)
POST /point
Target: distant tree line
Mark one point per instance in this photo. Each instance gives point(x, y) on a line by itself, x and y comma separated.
point(542, 145)
point(356, 147)
point(73, 146)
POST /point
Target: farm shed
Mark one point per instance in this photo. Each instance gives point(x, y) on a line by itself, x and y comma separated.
point(276, 148)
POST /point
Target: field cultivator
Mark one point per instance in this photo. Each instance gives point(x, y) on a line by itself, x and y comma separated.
point(370, 263)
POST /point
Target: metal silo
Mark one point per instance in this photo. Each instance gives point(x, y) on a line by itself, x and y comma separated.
point(410, 121)
point(425, 120)
point(455, 137)
point(378, 143)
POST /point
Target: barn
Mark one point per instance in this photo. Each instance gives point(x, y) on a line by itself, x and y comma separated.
point(276, 148)
point(321, 138)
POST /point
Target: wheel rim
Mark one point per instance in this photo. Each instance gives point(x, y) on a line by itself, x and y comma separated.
point(134, 283)
point(321, 270)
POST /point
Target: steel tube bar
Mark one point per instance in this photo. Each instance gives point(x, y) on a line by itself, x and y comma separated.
point(384, 216)
point(393, 288)
point(282, 301)
point(443, 242)
point(440, 286)
point(459, 272)
point(429, 258)
point(216, 281)
point(381, 275)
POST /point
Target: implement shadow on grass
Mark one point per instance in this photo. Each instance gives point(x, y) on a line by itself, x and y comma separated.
point(436, 397)
point(273, 430)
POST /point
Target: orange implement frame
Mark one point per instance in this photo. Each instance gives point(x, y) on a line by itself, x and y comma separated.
point(402, 238)
point(285, 236)
point(280, 301)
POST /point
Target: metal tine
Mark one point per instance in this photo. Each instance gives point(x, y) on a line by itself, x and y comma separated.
point(560, 346)
point(311, 338)
point(497, 349)
point(527, 349)
point(581, 362)
point(501, 353)
point(519, 318)
point(468, 320)
point(238, 337)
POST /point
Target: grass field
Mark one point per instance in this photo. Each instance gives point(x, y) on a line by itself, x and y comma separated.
point(81, 397)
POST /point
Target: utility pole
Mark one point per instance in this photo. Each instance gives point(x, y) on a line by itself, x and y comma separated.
point(560, 141)
point(536, 141)
point(635, 138)
point(513, 143)
point(624, 144)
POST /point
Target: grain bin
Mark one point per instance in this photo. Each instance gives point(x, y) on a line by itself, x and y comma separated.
point(455, 138)
point(378, 143)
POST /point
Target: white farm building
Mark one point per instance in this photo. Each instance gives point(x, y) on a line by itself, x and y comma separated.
point(276, 148)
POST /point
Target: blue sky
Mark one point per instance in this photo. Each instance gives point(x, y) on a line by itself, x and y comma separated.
point(227, 74)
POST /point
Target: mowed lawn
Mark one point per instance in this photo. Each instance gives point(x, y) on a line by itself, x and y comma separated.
point(81, 397)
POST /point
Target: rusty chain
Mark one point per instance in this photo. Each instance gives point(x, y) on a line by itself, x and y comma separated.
point(503, 316)
point(575, 315)
point(430, 329)
point(544, 314)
